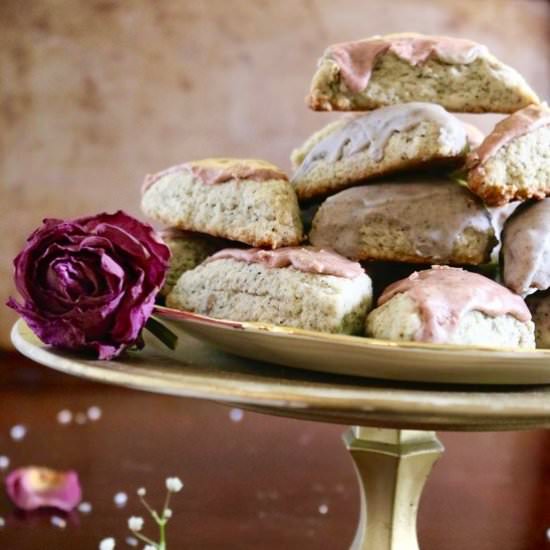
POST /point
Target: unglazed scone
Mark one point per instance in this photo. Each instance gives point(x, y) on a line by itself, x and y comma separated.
point(250, 201)
point(539, 305)
point(458, 74)
point(428, 221)
point(391, 139)
point(446, 305)
point(513, 162)
point(294, 287)
point(187, 250)
point(525, 254)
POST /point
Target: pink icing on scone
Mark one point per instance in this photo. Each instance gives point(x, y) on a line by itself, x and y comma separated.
point(306, 259)
point(214, 171)
point(445, 294)
point(356, 60)
point(520, 123)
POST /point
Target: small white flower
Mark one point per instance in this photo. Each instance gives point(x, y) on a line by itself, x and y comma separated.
point(167, 513)
point(135, 523)
point(120, 499)
point(4, 462)
point(107, 544)
point(18, 432)
point(149, 547)
point(85, 507)
point(141, 492)
point(94, 413)
point(57, 521)
point(65, 416)
point(132, 541)
point(2, 522)
point(174, 484)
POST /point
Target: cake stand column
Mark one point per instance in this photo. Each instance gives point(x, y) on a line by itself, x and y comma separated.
point(392, 467)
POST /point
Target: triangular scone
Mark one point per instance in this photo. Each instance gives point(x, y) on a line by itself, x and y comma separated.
point(250, 201)
point(421, 221)
point(391, 139)
point(513, 162)
point(458, 74)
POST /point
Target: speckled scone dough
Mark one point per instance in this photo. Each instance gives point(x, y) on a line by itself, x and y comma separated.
point(243, 200)
point(399, 320)
point(518, 168)
point(188, 250)
point(431, 221)
point(458, 74)
point(539, 304)
point(231, 289)
point(525, 254)
point(388, 140)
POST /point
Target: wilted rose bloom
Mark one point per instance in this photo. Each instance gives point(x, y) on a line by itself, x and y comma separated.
point(36, 487)
point(90, 283)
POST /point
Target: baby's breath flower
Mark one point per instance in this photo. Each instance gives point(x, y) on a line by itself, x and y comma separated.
point(149, 547)
point(141, 492)
point(174, 484)
point(107, 544)
point(167, 513)
point(135, 523)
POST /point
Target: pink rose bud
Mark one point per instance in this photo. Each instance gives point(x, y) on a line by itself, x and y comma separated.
point(36, 487)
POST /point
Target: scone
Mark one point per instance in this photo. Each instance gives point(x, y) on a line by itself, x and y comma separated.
point(458, 74)
point(539, 305)
point(187, 250)
point(447, 305)
point(294, 287)
point(250, 201)
point(381, 142)
point(525, 254)
point(513, 162)
point(427, 221)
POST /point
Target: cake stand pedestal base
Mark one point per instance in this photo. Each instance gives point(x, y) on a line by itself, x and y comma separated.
point(392, 467)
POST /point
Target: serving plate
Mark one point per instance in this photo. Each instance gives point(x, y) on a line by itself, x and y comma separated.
point(364, 357)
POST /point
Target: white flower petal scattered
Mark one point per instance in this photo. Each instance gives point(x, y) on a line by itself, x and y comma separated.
point(174, 484)
point(85, 507)
point(141, 492)
point(323, 509)
point(107, 544)
point(135, 523)
point(57, 521)
point(18, 432)
point(4, 462)
point(120, 499)
point(94, 413)
point(132, 541)
point(167, 513)
point(236, 415)
point(65, 416)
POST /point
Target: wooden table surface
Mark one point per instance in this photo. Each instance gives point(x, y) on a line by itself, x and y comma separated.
point(250, 482)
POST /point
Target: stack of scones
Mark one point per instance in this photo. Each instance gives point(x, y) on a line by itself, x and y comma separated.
point(404, 205)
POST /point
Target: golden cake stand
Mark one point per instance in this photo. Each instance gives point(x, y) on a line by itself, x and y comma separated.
point(393, 442)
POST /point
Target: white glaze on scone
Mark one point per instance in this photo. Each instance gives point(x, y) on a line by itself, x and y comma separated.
point(526, 249)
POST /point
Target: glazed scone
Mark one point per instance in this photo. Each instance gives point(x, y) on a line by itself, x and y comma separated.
point(525, 254)
point(391, 139)
point(513, 162)
point(294, 287)
point(446, 305)
point(458, 74)
point(428, 221)
point(187, 250)
point(539, 305)
point(250, 201)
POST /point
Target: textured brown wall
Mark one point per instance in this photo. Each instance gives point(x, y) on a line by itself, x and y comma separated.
point(94, 94)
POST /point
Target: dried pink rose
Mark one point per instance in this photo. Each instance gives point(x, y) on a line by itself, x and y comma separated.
point(36, 487)
point(90, 283)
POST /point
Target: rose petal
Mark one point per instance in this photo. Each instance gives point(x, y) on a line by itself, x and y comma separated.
point(37, 487)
